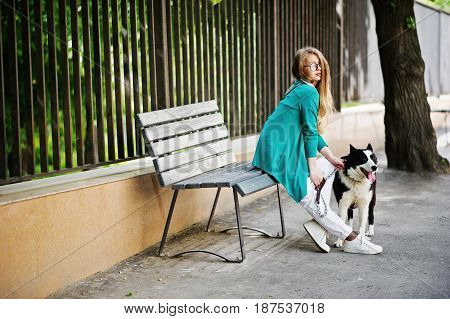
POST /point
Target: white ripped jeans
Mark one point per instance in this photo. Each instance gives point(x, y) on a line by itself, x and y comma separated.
point(323, 213)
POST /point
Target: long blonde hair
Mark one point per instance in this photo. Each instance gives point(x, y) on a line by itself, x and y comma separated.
point(326, 104)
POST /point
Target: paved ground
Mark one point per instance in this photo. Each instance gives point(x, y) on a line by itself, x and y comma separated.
point(412, 222)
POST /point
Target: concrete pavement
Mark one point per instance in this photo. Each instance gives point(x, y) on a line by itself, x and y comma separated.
point(412, 220)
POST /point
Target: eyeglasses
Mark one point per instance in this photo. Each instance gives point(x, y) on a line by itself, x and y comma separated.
point(313, 66)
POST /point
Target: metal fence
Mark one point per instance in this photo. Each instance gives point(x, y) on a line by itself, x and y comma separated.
point(74, 73)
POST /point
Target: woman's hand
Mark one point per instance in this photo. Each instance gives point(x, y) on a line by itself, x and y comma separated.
point(337, 162)
point(316, 176)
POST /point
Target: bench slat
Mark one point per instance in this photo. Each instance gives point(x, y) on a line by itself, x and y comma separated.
point(211, 181)
point(176, 113)
point(196, 168)
point(208, 175)
point(182, 127)
point(189, 155)
point(255, 184)
point(225, 177)
point(179, 142)
point(240, 178)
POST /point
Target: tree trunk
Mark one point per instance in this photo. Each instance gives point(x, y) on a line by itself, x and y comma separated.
point(410, 136)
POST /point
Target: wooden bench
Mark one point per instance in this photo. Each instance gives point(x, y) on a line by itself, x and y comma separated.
point(191, 148)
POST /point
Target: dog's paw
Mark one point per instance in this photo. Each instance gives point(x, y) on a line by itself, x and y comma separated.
point(371, 231)
point(338, 243)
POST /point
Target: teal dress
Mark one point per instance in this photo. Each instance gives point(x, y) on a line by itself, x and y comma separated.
point(288, 137)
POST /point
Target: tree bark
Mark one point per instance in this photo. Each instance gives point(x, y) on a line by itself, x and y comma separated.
point(410, 136)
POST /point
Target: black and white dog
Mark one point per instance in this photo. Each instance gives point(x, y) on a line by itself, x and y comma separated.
point(355, 186)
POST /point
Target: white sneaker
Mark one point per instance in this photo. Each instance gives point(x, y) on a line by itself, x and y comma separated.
point(361, 245)
point(318, 234)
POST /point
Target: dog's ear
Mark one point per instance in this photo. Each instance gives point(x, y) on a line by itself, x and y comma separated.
point(352, 149)
point(369, 147)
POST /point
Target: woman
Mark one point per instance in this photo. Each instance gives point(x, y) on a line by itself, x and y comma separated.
point(288, 146)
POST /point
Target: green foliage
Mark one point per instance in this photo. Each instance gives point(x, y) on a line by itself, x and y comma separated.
point(410, 22)
point(438, 4)
point(353, 103)
point(214, 2)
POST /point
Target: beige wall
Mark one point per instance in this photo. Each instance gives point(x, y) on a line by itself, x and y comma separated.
point(50, 241)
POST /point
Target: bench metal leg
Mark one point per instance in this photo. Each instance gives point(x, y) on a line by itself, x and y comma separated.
point(238, 220)
point(239, 227)
point(213, 209)
point(263, 232)
point(169, 218)
point(283, 228)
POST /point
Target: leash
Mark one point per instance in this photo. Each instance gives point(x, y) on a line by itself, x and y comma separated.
point(319, 195)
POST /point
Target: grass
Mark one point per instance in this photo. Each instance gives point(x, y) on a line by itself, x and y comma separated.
point(353, 103)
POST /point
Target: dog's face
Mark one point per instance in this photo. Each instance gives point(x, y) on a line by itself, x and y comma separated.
point(361, 163)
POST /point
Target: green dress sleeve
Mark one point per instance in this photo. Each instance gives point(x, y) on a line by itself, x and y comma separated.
point(309, 108)
point(321, 143)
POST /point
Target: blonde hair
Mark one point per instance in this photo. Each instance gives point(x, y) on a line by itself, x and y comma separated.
point(326, 104)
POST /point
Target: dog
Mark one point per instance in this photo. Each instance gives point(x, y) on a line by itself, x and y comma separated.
point(355, 187)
